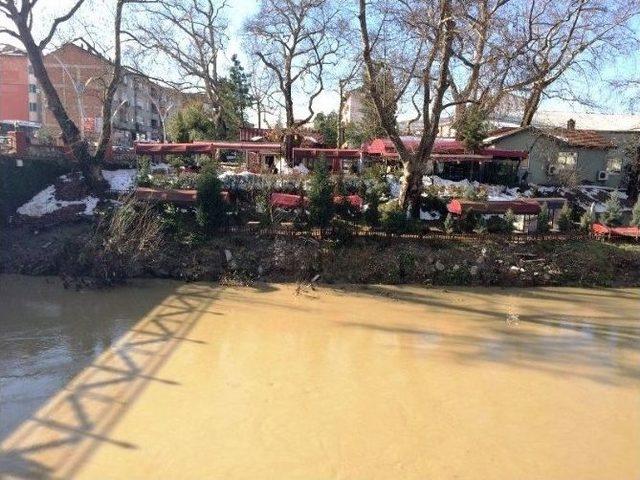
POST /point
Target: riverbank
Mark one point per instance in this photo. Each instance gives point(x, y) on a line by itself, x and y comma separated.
point(246, 258)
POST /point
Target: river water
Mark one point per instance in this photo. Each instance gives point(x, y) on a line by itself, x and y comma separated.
point(161, 379)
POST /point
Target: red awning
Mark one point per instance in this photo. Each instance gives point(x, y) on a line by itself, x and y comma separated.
point(519, 207)
point(448, 148)
point(330, 153)
point(631, 232)
point(287, 200)
point(355, 201)
point(203, 147)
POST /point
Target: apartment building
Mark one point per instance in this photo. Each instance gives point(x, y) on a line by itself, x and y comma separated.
point(18, 87)
point(353, 106)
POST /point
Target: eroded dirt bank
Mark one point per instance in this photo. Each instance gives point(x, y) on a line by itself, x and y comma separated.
point(247, 258)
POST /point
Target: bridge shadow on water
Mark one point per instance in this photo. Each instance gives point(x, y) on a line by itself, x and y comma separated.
point(56, 440)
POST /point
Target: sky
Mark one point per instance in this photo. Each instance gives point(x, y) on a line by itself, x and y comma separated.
point(99, 11)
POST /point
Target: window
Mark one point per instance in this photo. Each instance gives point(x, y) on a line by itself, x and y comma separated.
point(614, 165)
point(32, 88)
point(33, 107)
point(567, 160)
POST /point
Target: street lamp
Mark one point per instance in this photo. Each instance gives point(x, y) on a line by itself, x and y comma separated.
point(79, 88)
point(115, 111)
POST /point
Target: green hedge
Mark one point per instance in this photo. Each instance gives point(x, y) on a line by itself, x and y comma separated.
point(19, 184)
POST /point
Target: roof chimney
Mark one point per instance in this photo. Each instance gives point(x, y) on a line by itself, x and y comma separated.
point(571, 124)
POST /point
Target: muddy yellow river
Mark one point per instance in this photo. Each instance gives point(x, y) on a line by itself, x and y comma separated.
point(163, 380)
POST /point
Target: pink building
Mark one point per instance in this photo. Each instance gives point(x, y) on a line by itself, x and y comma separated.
point(18, 91)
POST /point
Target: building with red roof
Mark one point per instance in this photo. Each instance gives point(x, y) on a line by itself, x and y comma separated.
point(455, 162)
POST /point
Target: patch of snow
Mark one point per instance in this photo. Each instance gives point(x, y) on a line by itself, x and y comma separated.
point(431, 215)
point(161, 167)
point(500, 192)
point(547, 190)
point(394, 186)
point(301, 169)
point(122, 180)
point(45, 202)
point(231, 174)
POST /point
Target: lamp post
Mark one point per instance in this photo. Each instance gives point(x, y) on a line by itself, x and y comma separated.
point(163, 116)
point(115, 111)
point(79, 88)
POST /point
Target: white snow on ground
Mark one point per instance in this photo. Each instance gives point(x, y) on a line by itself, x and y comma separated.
point(161, 167)
point(432, 215)
point(45, 202)
point(447, 184)
point(120, 180)
point(284, 169)
point(301, 169)
point(230, 174)
point(394, 186)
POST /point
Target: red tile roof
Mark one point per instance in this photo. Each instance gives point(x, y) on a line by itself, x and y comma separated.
point(573, 137)
point(581, 138)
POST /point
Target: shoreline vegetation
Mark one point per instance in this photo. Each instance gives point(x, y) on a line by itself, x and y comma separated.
point(238, 236)
point(87, 255)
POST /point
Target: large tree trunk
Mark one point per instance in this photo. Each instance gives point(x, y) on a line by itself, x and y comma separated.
point(70, 132)
point(107, 105)
point(288, 147)
point(633, 181)
point(531, 105)
point(411, 190)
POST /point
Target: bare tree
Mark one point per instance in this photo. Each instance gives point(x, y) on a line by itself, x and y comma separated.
point(21, 14)
point(261, 90)
point(296, 40)
point(565, 35)
point(188, 35)
point(423, 33)
point(482, 54)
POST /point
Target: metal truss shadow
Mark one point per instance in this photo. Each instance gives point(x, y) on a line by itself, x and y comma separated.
point(57, 440)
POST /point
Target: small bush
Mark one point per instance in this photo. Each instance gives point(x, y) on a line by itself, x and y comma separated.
point(342, 232)
point(372, 213)
point(510, 220)
point(543, 219)
point(210, 207)
point(497, 224)
point(586, 220)
point(321, 207)
point(144, 177)
point(177, 221)
point(468, 222)
point(612, 214)
point(481, 224)
point(395, 221)
point(565, 222)
point(449, 224)
point(470, 193)
point(263, 208)
point(125, 241)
